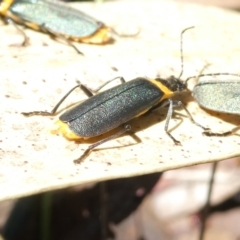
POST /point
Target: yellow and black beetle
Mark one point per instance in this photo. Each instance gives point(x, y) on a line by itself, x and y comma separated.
point(114, 107)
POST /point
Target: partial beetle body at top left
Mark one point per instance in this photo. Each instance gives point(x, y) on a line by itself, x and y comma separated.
point(57, 20)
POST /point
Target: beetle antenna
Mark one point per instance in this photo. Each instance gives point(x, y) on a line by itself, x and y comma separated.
point(212, 74)
point(181, 49)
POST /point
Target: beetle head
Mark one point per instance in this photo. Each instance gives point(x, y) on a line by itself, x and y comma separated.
point(173, 83)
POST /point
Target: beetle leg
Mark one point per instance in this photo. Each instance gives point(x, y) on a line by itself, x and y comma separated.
point(54, 34)
point(125, 128)
point(180, 104)
point(175, 104)
point(45, 113)
point(224, 134)
point(89, 92)
point(107, 82)
point(25, 38)
point(169, 116)
point(86, 89)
